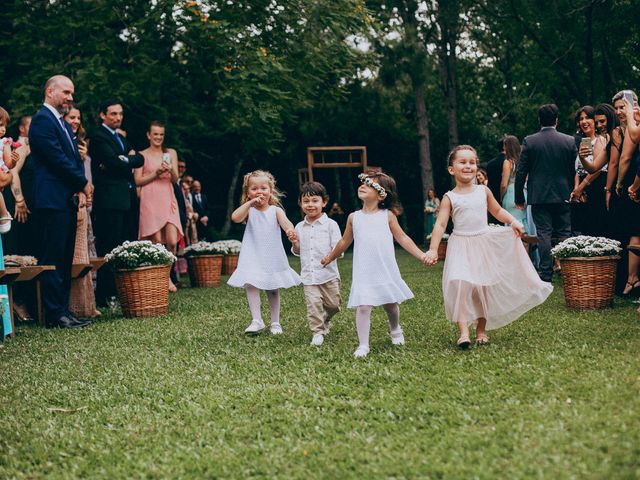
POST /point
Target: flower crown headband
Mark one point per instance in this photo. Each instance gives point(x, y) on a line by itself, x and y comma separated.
point(364, 178)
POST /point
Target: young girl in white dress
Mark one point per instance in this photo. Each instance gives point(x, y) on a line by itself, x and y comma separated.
point(488, 279)
point(376, 277)
point(263, 263)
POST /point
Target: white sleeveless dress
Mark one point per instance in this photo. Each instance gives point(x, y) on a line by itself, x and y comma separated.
point(487, 272)
point(263, 262)
point(376, 276)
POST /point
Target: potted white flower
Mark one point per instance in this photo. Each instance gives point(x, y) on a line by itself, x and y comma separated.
point(588, 266)
point(205, 263)
point(232, 252)
point(442, 248)
point(142, 277)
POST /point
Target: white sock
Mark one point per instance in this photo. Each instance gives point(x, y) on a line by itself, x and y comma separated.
point(273, 296)
point(393, 313)
point(253, 299)
point(363, 324)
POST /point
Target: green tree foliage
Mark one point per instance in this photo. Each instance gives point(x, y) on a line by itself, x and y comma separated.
point(252, 83)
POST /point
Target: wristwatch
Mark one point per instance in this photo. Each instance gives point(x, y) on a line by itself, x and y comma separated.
point(607, 189)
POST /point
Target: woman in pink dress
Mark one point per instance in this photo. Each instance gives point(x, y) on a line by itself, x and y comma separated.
point(159, 216)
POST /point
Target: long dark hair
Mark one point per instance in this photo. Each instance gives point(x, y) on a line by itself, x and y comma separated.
point(512, 148)
point(612, 121)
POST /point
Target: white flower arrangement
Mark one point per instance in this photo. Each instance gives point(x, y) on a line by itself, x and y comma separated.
point(585, 246)
point(445, 237)
point(142, 253)
point(364, 178)
point(205, 248)
point(229, 246)
point(20, 260)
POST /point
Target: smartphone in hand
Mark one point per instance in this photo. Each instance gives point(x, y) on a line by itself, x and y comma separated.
point(628, 96)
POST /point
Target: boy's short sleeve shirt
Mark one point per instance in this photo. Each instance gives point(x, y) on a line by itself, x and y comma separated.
point(317, 239)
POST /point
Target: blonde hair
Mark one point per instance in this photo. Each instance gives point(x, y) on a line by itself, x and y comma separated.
point(276, 195)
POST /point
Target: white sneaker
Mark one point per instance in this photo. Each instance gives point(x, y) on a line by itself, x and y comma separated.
point(397, 337)
point(255, 327)
point(361, 351)
point(317, 340)
point(276, 329)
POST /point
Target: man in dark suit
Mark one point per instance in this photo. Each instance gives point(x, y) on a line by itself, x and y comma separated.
point(494, 171)
point(58, 180)
point(114, 209)
point(201, 207)
point(548, 160)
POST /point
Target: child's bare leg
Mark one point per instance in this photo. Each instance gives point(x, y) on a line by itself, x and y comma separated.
point(463, 340)
point(3, 208)
point(481, 334)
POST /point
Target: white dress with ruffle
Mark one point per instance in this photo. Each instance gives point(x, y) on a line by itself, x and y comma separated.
point(376, 276)
point(487, 272)
point(263, 262)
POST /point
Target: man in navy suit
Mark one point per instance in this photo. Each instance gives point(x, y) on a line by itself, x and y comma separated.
point(548, 160)
point(115, 210)
point(59, 186)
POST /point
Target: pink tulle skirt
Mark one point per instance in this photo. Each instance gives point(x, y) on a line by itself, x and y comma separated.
point(490, 275)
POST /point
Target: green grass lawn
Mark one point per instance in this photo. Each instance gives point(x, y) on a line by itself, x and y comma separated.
point(556, 395)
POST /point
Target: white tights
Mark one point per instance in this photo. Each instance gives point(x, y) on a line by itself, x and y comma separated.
point(363, 320)
point(273, 297)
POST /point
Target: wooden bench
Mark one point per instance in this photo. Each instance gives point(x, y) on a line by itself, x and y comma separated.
point(79, 270)
point(7, 277)
point(31, 273)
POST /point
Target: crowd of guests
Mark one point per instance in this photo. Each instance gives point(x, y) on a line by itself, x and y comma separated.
point(585, 183)
point(75, 196)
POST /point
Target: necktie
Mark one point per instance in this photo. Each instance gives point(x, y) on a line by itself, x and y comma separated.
point(119, 140)
point(62, 124)
point(198, 198)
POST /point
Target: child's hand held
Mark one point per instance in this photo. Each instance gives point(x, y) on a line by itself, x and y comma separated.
point(431, 257)
point(518, 228)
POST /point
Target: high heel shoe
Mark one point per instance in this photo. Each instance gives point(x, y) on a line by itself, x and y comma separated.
point(634, 291)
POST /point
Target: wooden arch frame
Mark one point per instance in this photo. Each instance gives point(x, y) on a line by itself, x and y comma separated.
point(314, 162)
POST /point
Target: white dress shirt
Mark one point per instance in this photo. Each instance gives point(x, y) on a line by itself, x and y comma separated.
point(317, 240)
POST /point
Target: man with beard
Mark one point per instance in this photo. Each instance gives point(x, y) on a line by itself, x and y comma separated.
point(115, 207)
point(59, 187)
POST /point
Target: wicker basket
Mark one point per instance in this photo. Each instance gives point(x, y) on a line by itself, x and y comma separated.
point(144, 291)
point(230, 263)
point(442, 250)
point(205, 270)
point(589, 282)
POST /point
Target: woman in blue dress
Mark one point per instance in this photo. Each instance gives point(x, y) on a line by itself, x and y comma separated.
point(511, 149)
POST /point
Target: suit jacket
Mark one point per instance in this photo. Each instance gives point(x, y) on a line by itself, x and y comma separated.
point(494, 172)
point(112, 176)
point(201, 207)
point(182, 207)
point(58, 168)
point(548, 159)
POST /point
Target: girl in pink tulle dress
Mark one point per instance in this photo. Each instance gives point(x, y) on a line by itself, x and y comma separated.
point(478, 289)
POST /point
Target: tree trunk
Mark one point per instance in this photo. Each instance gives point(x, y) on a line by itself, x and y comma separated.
point(231, 197)
point(424, 149)
point(448, 24)
point(589, 54)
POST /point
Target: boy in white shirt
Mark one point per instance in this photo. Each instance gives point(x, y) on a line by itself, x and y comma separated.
point(317, 235)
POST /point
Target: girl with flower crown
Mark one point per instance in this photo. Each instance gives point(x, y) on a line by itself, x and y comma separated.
point(263, 263)
point(376, 277)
